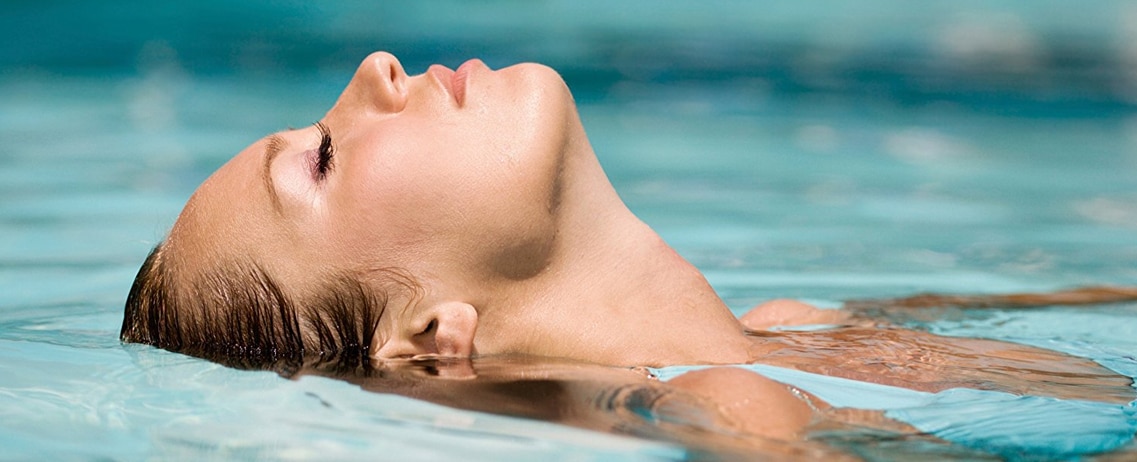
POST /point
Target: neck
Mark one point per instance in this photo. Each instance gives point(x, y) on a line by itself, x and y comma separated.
point(615, 293)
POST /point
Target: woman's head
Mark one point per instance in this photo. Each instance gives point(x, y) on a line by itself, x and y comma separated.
point(425, 192)
point(419, 212)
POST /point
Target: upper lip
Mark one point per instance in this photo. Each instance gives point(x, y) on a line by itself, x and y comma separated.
point(454, 81)
point(445, 77)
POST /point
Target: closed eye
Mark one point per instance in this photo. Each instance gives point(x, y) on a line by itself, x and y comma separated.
point(325, 154)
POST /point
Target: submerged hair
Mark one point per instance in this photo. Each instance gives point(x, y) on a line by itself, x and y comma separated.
point(239, 316)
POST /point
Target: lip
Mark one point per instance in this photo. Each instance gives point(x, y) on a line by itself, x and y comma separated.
point(455, 82)
point(461, 79)
point(445, 77)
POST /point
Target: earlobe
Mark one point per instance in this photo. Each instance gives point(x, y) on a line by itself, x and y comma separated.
point(454, 326)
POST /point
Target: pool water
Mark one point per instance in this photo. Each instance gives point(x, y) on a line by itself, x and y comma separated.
point(807, 172)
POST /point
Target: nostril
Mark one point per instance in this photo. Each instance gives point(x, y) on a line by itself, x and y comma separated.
point(398, 77)
point(429, 327)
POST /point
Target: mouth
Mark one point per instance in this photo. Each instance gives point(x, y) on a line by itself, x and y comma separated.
point(455, 82)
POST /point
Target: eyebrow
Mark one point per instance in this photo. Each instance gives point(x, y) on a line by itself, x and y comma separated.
point(275, 145)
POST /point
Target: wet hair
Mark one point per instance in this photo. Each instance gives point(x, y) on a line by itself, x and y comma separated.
point(237, 315)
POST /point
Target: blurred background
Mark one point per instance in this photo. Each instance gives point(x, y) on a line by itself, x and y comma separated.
point(984, 54)
point(796, 147)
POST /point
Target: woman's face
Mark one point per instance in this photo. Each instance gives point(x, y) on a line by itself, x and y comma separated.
point(447, 176)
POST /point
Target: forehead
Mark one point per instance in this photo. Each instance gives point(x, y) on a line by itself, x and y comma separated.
point(229, 216)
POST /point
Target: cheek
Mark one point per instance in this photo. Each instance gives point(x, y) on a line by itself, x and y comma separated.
point(460, 171)
point(481, 198)
point(394, 202)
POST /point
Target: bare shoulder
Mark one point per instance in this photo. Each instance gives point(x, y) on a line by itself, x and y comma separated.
point(785, 312)
point(751, 403)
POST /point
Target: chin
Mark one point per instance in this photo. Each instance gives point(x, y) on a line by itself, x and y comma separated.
point(542, 80)
point(543, 113)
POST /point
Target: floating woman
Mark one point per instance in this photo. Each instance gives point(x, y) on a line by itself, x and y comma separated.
point(463, 213)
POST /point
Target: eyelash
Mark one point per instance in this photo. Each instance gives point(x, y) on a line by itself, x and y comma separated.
point(325, 154)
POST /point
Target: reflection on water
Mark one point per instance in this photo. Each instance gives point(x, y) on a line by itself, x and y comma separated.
point(632, 402)
point(613, 400)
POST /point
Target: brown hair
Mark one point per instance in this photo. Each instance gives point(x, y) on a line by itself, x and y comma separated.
point(237, 315)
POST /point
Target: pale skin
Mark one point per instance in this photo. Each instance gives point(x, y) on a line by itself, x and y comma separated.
point(485, 191)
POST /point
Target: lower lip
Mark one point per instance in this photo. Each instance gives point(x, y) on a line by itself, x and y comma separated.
point(460, 78)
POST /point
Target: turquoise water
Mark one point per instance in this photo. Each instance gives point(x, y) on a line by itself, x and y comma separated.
point(787, 152)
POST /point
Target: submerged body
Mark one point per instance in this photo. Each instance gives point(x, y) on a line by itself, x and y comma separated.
point(892, 356)
point(866, 350)
point(979, 395)
point(460, 214)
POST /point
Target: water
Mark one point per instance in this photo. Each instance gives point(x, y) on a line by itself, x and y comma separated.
point(786, 151)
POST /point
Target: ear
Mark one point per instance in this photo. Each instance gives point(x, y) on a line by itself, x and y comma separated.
point(446, 329)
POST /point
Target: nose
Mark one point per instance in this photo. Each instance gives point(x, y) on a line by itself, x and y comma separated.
point(379, 84)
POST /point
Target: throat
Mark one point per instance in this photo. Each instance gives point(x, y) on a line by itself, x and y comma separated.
point(628, 299)
point(613, 292)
